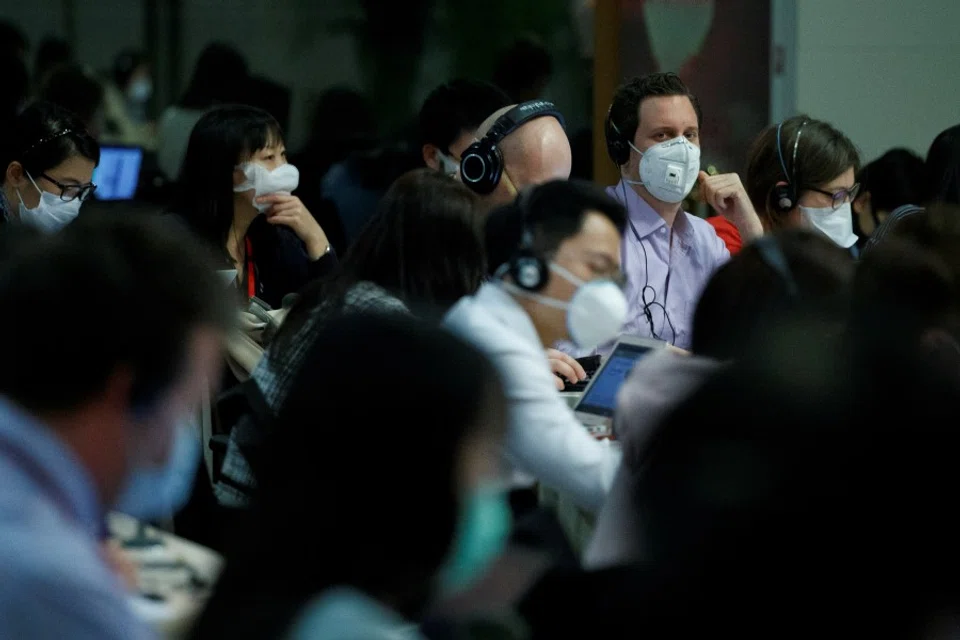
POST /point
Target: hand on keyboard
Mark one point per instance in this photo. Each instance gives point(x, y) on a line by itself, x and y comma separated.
point(565, 368)
point(589, 365)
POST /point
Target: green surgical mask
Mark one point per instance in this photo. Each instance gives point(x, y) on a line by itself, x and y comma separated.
point(482, 533)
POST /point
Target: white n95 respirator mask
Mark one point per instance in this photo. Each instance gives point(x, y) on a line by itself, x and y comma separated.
point(595, 313)
point(669, 170)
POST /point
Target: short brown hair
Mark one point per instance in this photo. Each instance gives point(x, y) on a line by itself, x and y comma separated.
point(624, 116)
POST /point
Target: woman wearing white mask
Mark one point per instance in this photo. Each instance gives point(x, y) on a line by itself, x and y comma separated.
point(802, 173)
point(127, 102)
point(48, 160)
point(236, 192)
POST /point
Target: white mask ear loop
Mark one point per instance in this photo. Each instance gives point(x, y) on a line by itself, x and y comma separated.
point(630, 143)
point(35, 186)
point(566, 275)
point(536, 297)
point(627, 180)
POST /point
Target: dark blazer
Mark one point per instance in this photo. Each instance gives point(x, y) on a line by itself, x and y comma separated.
point(280, 262)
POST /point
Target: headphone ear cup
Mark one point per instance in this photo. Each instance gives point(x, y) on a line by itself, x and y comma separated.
point(528, 270)
point(622, 150)
point(617, 147)
point(784, 199)
point(481, 167)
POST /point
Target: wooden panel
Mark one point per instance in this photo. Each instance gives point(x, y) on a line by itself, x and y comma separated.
point(606, 77)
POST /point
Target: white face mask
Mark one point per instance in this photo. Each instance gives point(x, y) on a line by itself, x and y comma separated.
point(140, 90)
point(669, 170)
point(595, 313)
point(52, 213)
point(283, 180)
point(836, 224)
point(448, 165)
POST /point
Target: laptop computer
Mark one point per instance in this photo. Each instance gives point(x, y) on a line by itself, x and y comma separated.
point(118, 173)
point(599, 400)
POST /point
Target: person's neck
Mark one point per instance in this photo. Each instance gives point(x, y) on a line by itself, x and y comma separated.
point(547, 336)
point(666, 210)
point(243, 217)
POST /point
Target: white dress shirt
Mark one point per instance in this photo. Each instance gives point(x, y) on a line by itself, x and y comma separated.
point(544, 437)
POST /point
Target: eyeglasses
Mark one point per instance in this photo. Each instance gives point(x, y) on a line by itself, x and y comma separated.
point(842, 196)
point(70, 192)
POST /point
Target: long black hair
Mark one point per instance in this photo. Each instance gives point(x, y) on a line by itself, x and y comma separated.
point(386, 530)
point(219, 142)
point(43, 136)
point(422, 245)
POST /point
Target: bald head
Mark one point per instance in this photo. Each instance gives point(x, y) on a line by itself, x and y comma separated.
point(536, 152)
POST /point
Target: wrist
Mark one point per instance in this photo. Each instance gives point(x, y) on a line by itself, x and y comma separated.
point(318, 247)
point(748, 224)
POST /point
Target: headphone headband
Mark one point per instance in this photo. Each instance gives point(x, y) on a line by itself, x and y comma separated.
point(785, 196)
point(519, 116)
point(481, 165)
point(527, 267)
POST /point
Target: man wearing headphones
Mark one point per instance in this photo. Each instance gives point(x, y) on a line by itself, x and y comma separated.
point(558, 246)
point(450, 117)
point(517, 146)
point(653, 135)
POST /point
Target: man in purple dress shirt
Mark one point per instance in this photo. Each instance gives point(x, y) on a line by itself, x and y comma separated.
point(653, 135)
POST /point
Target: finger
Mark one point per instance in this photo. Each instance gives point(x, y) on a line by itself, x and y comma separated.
point(577, 367)
point(557, 380)
point(729, 193)
point(703, 176)
point(719, 182)
point(559, 367)
point(275, 198)
point(715, 198)
point(285, 220)
point(554, 354)
point(286, 206)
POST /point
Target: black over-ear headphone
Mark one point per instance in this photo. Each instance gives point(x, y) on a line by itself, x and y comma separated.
point(785, 196)
point(527, 267)
point(618, 148)
point(481, 165)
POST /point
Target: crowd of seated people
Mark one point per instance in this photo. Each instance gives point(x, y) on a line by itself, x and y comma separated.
point(780, 462)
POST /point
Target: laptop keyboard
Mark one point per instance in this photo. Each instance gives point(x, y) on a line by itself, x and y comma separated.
point(590, 364)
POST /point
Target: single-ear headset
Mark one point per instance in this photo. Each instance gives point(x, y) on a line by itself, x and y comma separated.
point(785, 196)
point(481, 165)
point(618, 147)
point(527, 268)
